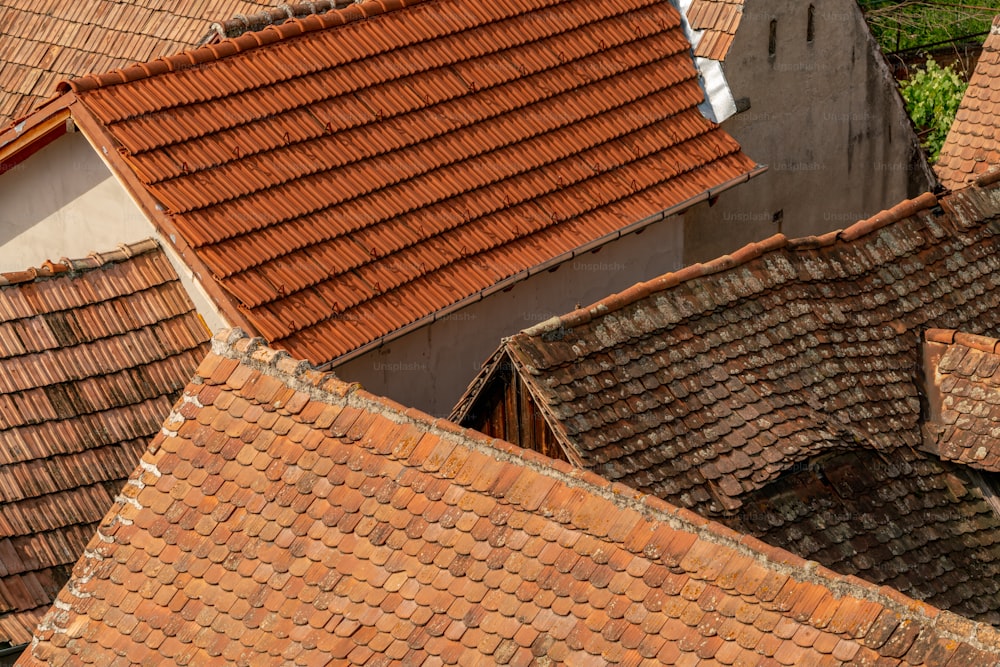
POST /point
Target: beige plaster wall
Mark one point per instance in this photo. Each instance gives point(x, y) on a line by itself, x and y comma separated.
point(825, 117)
point(431, 367)
point(63, 201)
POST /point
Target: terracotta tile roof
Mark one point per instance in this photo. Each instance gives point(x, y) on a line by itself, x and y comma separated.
point(719, 20)
point(43, 42)
point(705, 384)
point(283, 517)
point(744, 388)
point(963, 388)
point(93, 353)
point(973, 143)
point(351, 177)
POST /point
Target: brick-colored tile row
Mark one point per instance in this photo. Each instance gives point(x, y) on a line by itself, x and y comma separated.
point(284, 517)
point(717, 21)
point(93, 354)
point(367, 167)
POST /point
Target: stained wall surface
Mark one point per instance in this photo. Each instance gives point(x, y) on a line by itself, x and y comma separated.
point(826, 118)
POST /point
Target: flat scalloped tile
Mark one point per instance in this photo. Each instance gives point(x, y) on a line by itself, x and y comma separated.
point(378, 534)
point(971, 148)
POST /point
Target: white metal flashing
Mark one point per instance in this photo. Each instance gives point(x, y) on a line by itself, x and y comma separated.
point(719, 103)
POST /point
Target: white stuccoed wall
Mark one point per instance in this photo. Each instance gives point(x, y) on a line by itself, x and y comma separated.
point(64, 202)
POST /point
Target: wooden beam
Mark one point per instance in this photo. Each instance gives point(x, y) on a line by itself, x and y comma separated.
point(33, 139)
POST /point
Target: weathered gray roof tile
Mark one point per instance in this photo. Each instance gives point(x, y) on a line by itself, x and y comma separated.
point(822, 357)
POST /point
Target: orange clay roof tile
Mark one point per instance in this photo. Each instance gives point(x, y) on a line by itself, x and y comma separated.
point(292, 582)
point(352, 177)
point(971, 148)
point(47, 41)
point(718, 20)
point(94, 352)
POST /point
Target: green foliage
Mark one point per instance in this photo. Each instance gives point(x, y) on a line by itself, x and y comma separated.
point(932, 96)
point(906, 24)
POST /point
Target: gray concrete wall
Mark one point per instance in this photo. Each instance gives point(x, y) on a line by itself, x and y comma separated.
point(827, 119)
point(64, 202)
point(431, 367)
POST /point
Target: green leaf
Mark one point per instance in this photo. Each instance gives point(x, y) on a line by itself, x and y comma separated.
point(933, 95)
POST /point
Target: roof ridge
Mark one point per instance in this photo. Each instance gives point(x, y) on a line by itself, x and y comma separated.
point(979, 342)
point(324, 386)
point(739, 257)
point(242, 23)
point(991, 175)
point(94, 260)
point(293, 27)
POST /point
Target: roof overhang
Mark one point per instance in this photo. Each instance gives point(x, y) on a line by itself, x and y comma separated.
point(552, 264)
point(31, 134)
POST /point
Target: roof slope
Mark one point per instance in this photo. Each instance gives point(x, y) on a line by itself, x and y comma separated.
point(973, 142)
point(351, 177)
point(779, 389)
point(283, 516)
point(718, 20)
point(43, 42)
point(963, 424)
point(93, 353)
point(705, 384)
point(925, 527)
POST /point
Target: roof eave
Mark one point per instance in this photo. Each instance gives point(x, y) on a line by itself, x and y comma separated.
point(22, 139)
point(107, 148)
point(745, 254)
point(548, 265)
